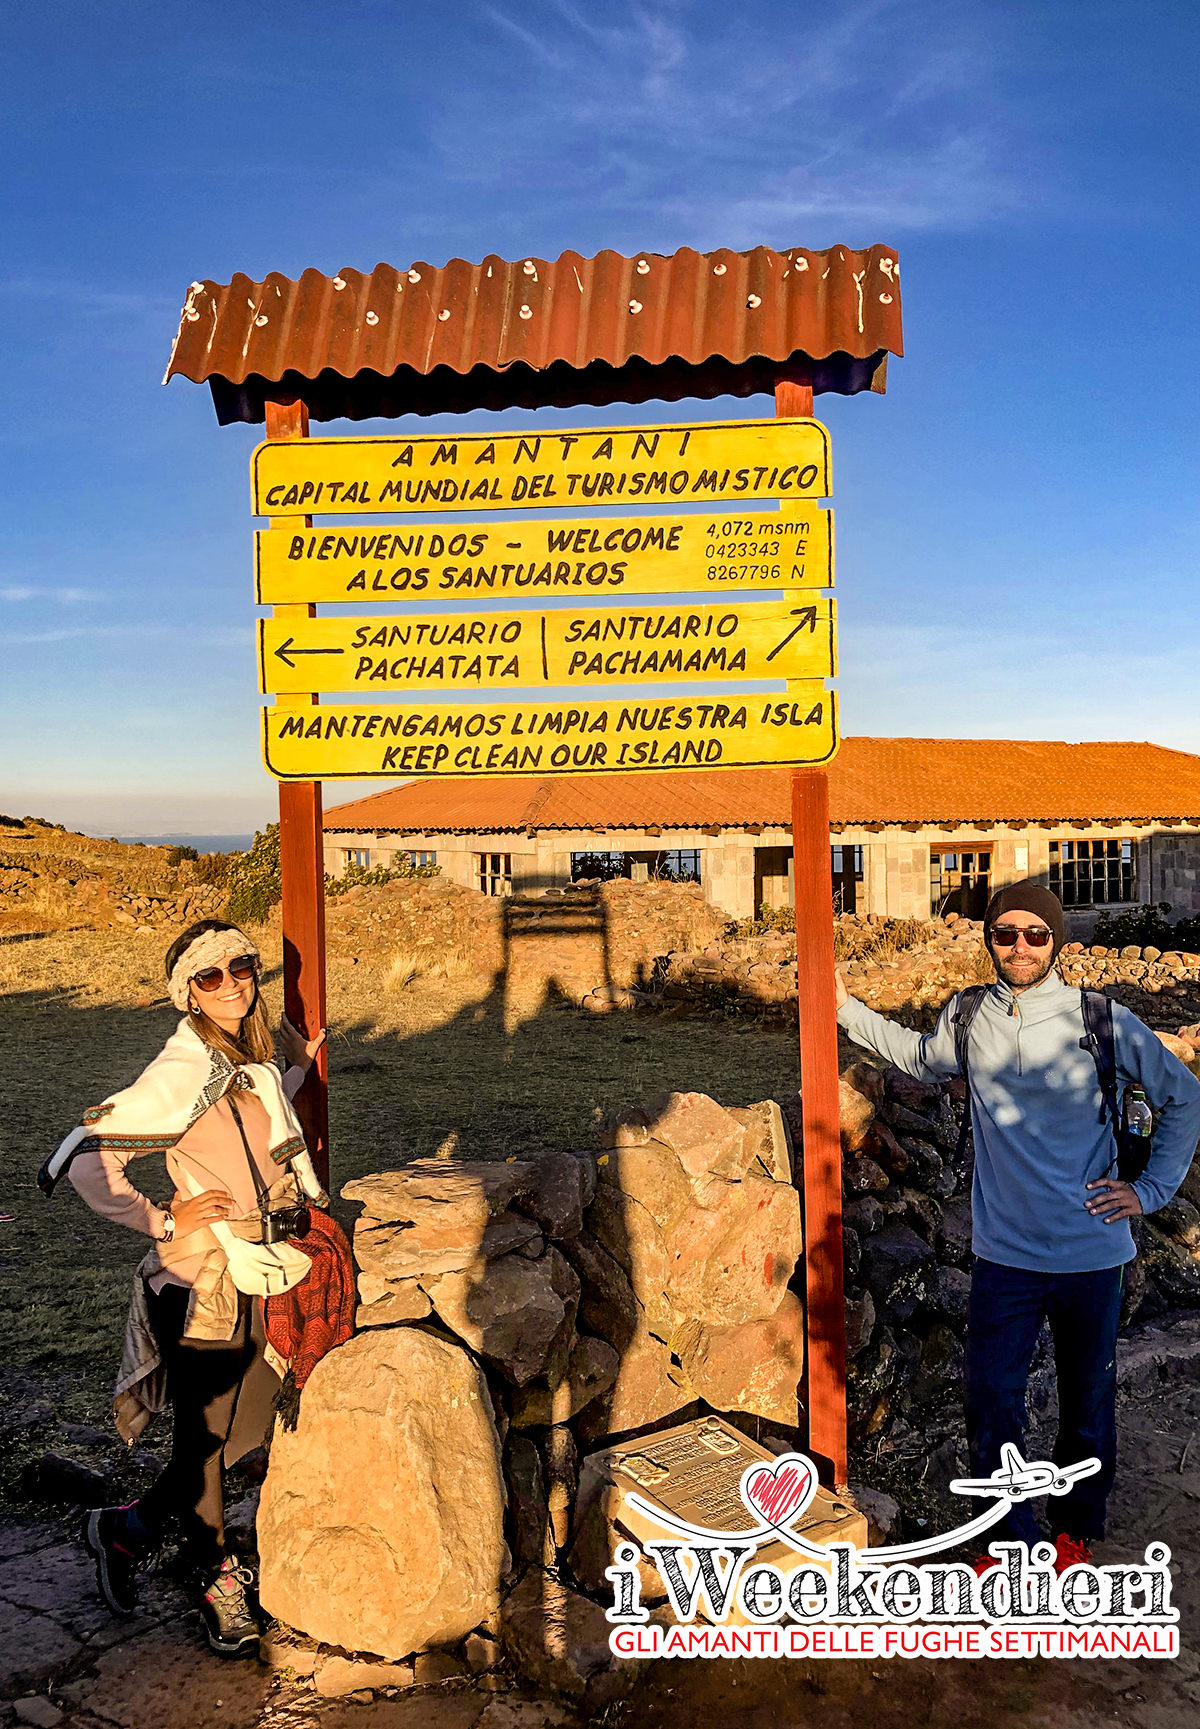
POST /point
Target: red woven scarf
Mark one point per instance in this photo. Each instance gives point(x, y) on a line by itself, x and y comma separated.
point(318, 1313)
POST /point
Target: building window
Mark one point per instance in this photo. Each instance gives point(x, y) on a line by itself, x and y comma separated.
point(357, 855)
point(493, 872)
point(602, 865)
point(959, 882)
point(1092, 873)
point(417, 859)
point(679, 866)
point(846, 868)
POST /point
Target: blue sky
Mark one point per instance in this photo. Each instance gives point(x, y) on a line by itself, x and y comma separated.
point(1016, 519)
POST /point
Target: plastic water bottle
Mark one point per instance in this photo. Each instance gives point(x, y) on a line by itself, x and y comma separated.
point(1139, 1118)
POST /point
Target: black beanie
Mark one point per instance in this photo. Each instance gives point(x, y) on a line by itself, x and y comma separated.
point(1026, 897)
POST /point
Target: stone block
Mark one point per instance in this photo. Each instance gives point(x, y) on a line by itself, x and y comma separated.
point(702, 1135)
point(953, 1236)
point(520, 1315)
point(527, 1501)
point(652, 1175)
point(855, 1116)
point(563, 1185)
point(631, 1235)
point(607, 1305)
point(64, 1482)
point(893, 1260)
point(389, 1305)
point(948, 1293)
point(439, 1216)
point(591, 1370)
point(754, 1367)
point(558, 1640)
point(647, 1388)
point(769, 1152)
point(416, 1562)
point(860, 1321)
point(336, 1675)
point(732, 1264)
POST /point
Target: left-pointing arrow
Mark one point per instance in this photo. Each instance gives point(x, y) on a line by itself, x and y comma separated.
point(288, 648)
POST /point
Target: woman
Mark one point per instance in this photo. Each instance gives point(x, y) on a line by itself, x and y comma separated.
point(214, 1103)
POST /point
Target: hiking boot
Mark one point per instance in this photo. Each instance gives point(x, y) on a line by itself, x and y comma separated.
point(120, 1553)
point(1070, 1552)
point(229, 1611)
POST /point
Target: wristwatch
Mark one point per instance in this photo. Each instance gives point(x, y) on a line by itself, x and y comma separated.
point(168, 1230)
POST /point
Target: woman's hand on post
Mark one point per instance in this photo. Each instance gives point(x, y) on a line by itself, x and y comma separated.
point(839, 987)
point(297, 1050)
point(201, 1210)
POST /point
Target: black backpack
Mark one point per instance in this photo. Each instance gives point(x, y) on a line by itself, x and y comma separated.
point(1133, 1151)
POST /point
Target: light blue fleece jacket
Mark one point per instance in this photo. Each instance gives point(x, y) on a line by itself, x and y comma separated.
point(1036, 1113)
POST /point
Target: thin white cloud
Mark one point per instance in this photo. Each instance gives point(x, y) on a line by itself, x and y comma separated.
point(736, 126)
point(66, 596)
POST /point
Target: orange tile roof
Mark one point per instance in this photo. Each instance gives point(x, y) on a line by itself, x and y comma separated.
point(872, 780)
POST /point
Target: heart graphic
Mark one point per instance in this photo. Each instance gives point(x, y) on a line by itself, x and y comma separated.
point(779, 1493)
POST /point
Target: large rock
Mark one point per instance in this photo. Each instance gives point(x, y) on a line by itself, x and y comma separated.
point(755, 1367)
point(732, 1263)
point(630, 1233)
point(703, 1136)
point(652, 1175)
point(558, 1639)
point(381, 1525)
point(607, 1305)
point(519, 1314)
point(855, 1116)
point(591, 1370)
point(894, 1262)
point(768, 1149)
point(563, 1185)
point(647, 1387)
point(437, 1216)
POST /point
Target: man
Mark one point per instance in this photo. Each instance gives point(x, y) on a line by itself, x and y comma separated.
point(1051, 1236)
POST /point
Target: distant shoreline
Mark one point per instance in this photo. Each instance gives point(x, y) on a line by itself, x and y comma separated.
point(201, 842)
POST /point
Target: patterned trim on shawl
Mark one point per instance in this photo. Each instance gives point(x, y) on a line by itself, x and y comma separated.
point(289, 1149)
point(97, 1111)
point(219, 1073)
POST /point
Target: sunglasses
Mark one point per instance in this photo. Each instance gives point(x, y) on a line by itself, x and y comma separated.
point(1005, 936)
point(243, 968)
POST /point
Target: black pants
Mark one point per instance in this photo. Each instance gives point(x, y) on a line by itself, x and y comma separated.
point(222, 1400)
point(1006, 1313)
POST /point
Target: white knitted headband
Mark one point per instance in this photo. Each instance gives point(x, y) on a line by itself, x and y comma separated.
point(206, 951)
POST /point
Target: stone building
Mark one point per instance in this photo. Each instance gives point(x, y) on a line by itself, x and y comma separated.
point(916, 826)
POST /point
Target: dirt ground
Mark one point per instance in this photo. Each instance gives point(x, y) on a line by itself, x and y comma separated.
point(446, 1066)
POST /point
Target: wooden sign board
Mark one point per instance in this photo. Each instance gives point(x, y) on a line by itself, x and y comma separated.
point(726, 553)
point(593, 645)
point(581, 737)
point(736, 461)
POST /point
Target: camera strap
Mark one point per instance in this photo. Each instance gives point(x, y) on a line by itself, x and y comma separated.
point(260, 1188)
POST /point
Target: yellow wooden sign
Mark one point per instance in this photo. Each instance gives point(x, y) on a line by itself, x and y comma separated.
point(723, 553)
point(592, 645)
point(577, 737)
point(735, 461)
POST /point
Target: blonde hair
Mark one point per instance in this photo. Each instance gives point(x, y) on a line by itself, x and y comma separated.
point(254, 1043)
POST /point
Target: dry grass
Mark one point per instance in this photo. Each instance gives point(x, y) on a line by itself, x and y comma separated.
point(409, 965)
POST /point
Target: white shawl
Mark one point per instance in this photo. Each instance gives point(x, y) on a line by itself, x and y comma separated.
point(162, 1104)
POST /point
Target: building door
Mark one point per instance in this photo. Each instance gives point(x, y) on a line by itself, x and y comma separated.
point(960, 882)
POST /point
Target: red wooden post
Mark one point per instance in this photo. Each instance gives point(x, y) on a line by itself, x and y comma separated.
point(302, 871)
point(825, 1314)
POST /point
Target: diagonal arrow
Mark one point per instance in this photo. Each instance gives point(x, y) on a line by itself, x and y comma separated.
point(288, 648)
point(808, 621)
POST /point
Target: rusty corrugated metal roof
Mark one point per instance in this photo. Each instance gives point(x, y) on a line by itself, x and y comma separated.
point(871, 780)
point(532, 332)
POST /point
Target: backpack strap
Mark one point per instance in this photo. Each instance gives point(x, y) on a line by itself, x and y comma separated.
point(966, 1008)
point(1100, 1044)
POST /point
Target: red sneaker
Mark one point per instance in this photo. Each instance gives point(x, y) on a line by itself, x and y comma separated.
point(1070, 1552)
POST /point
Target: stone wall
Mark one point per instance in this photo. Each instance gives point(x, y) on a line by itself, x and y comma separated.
point(514, 1319)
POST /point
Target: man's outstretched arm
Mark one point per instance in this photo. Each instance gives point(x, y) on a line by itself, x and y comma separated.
point(926, 1056)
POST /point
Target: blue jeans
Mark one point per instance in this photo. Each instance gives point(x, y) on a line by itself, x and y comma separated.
point(1005, 1317)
